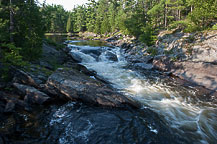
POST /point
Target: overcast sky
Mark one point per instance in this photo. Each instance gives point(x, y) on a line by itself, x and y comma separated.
point(67, 4)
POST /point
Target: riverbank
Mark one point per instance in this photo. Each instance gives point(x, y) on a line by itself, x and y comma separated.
point(57, 89)
point(191, 57)
point(54, 79)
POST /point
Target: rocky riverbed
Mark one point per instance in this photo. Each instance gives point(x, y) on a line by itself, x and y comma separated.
point(36, 93)
point(192, 57)
point(43, 83)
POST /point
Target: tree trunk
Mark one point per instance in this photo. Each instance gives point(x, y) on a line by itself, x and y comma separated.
point(179, 14)
point(191, 8)
point(165, 15)
point(11, 28)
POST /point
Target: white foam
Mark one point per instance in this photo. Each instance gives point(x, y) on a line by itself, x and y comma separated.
point(178, 110)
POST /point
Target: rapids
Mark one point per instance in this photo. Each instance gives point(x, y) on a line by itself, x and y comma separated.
point(190, 117)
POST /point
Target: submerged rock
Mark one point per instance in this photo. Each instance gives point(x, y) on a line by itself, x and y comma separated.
point(74, 85)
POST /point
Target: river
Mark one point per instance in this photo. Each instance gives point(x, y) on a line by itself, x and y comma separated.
point(189, 116)
point(170, 113)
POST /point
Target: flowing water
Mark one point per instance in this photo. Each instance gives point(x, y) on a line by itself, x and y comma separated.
point(190, 117)
point(170, 113)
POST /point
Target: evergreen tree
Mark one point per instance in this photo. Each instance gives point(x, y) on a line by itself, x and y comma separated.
point(112, 14)
point(204, 13)
point(90, 15)
point(30, 29)
point(55, 18)
point(80, 18)
point(105, 27)
point(68, 27)
point(21, 32)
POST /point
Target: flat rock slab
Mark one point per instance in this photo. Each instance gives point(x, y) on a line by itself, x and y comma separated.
point(200, 73)
point(204, 74)
point(74, 85)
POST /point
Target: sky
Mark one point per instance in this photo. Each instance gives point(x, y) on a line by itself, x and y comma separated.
point(67, 4)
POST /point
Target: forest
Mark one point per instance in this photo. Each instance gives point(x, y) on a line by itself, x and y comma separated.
point(23, 23)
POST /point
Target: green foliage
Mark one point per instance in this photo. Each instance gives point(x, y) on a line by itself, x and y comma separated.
point(133, 17)
point(68, 27)
point(10, 56)
point(168, 52)
point(192, 28)
point(21, 33)
point(56, 18)
point(90, 37)
point(105, 27)
point(80, 21)
point(204, 13)
point(152, 51)
point(148, 36)
point(214, 27)
point(50, 42)
point(29, 30)
point(174, 58)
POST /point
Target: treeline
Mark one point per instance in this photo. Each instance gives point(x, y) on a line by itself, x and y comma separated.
point(55, 18)
point(142, 18)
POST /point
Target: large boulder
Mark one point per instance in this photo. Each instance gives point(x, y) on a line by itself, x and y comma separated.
point(76, 57)
point(204, 74)
point(95, 51)
point(25, 78)
point(111, 56)
point(10, 106)
point(1, 140)
point(162, 63)
point(143, 66)
point(205, 48)
point(32, 95)
point(199, 73)
point(51, 54)
point(74, 85)
point(8, 102)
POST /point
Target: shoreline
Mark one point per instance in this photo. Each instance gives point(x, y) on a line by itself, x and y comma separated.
point(191, 57)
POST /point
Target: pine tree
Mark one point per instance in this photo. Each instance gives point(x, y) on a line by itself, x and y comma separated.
point(68, 27)
point(204, 13)
point(112, 14)
point(105, 27)
point(80, 18)
point(91, 15)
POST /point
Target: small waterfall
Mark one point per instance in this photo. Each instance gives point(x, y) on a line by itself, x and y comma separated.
point(198, 122)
